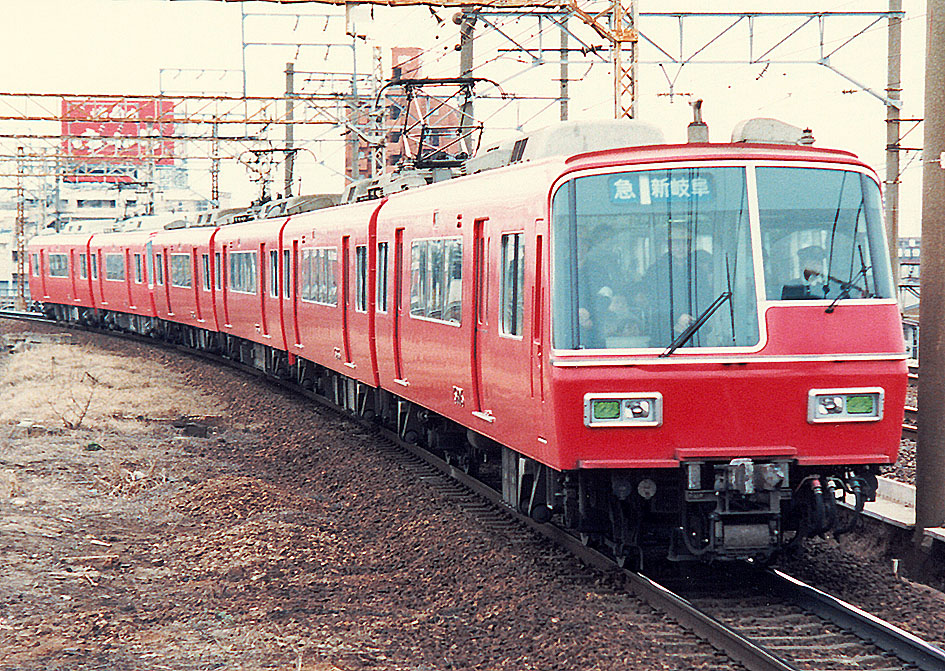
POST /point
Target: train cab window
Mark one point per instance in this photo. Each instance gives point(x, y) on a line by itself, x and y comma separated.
point(217, 271)
point(58, 265)
point(822, 235)
point(181, 273)
point(511, 298)
point(436, 279)
point(318, 268)
point(274, 273)
point(287, 273)
point(242, 272)
point(360, 278)
point(639, 257)
point(159, 269)
point(205, 259)
point(35, 265)
point(381, 292)
point(115, 267)
point(139, 269)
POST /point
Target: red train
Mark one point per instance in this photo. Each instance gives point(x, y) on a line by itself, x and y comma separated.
point(689, 350)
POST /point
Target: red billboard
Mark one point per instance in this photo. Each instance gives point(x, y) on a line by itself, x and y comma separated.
point(118, 134)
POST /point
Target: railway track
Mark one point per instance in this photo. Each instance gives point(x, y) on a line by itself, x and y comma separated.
point(778, 624)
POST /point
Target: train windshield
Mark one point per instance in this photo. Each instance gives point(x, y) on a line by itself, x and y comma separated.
point(655, 258)
point(822, 235)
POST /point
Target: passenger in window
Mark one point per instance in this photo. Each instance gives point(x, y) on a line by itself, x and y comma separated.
point(599, 272)
point(679, 285)
point(811, 281)
point(624, 323)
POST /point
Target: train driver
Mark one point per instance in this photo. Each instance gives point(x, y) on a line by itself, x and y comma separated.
point(810, 283)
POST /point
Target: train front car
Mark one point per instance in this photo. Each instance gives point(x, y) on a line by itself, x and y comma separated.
point(727, 356)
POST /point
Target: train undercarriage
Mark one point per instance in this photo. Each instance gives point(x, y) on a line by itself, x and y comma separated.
point(703, 511)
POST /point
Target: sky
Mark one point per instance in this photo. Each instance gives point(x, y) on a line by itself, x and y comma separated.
point(146, 46)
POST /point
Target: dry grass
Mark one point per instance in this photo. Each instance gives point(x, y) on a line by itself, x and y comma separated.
point(74, 386)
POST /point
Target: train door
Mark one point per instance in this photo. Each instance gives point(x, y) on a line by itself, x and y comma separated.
point(195, 282)
point(42, 272)
point(129, 278)
point(284, 292)
point(72, 275)
point(537, 342)
point(264, 280)
point(397, 313)
point(479, 323)
point(346, 296)
point(294, 266)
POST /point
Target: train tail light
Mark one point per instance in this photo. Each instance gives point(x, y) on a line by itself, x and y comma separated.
point(618, 409)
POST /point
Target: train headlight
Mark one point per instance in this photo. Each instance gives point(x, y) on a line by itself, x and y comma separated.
point(845, 405)
point(616, 409)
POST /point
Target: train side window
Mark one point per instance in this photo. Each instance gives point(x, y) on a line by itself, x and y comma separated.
point(511, 299)
point(83, 266)
point(58, 265)
point(115, 267)
point(382, 252)
point(436, 277)
point(242, 272)
point(318, 270)
point(139, 270)
point(205, 259)
point(217, 271)
point(274, 273)
point(181, 273)
point(94, 267)
point(360, 278)
point(35, 268)
point(287, 273)
point(159, 269)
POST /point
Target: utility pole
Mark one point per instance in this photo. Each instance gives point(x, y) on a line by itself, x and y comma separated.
point(215, 166)
point(289, 127)
point(467, 25)
point(930, 447)
point(563, 70)
point(19, 302)
point(893, 94)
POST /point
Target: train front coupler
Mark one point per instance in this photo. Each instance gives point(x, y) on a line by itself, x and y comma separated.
point(731, 510)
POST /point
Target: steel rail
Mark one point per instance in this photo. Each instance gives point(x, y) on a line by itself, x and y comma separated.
point(889, 637)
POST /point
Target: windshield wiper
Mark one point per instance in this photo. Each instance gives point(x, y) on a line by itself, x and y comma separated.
point(690, 331)
point(845, 288)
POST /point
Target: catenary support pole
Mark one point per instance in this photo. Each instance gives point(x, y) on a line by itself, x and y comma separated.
point(930, 448)
point(893, 94)
point(289, 127)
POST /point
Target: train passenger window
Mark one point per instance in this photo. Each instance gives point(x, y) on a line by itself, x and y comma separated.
point(94, 267)
point(205, 260)
point(58, 265)
point(274, 273)
point(83, 266)
point(319, 272)
point(115, 267)
point(242, 272)
point(181, 273)
point(360, 278)
point(822, 235)
point(35, 265)
point(217, 271)
point(159, 269)
point(640, 256)
point(436, 279)
point(382, 251)
point(139, 269)
point(287, 273)
point(511, 298)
